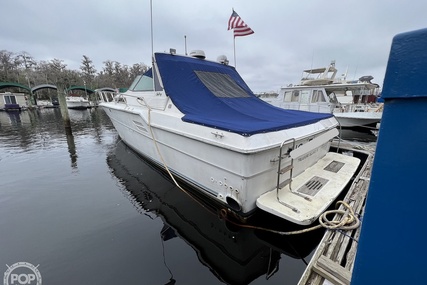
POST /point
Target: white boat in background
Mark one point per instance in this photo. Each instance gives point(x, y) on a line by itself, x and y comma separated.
point(353, 103)
point(199, 121)
point(77, 102)
point(319, 76)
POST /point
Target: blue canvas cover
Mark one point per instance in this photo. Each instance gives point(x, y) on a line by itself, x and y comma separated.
point(214, 95)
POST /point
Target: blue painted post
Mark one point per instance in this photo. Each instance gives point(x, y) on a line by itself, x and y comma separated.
point(393, 243)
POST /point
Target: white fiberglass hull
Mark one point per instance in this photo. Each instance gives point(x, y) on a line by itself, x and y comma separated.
point(77, 103)
point(356, 119)
point(233, 169)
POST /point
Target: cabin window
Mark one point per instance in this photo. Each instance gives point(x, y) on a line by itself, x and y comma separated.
point(317, 96)
point(365, 91)
point(221, 85)
point(288, 96)
point(304, 97)
point(10, 99)
point(295, 95)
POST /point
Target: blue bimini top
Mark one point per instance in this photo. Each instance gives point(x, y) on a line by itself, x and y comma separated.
point(213, 94)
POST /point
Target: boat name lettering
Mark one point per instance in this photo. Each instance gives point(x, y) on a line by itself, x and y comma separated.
point(307, 155)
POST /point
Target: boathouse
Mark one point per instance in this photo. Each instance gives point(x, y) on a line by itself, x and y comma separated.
point(12, 101)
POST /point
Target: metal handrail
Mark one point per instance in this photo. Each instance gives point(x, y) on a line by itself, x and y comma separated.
point(291, 166)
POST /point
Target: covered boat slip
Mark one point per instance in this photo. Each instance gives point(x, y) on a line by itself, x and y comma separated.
point(215, 95)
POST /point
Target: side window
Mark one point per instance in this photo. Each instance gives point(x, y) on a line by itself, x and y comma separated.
point(315, 96)
point(318, 96)
point(288, 96)
point(10, 99)
point(295, 95)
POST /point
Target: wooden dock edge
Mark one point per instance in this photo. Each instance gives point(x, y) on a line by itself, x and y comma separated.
point(333, 260)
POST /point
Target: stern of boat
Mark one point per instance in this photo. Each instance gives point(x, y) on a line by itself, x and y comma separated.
point(302, 197)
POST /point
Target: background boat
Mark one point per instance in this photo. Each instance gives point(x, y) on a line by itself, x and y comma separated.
point(354, 103)
point(77, 102)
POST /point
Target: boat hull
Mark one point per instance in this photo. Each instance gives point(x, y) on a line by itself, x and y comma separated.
point(235, 178)
point(356, 119)
point(77, 104)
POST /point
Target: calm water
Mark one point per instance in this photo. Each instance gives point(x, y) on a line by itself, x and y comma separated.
point(87, 210)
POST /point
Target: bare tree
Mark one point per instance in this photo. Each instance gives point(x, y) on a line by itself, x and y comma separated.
point(23, 68)
point(88, 70)
point(25, 62)
point(58, 64)
point(108, 67)
point(57, 68)
point(6, 65)
point(137, 69)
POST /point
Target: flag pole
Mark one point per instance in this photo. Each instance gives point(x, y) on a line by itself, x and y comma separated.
point(151, 26)
point(185, 44)
point(234, 48)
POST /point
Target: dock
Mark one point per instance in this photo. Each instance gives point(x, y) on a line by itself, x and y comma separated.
point(333, 260)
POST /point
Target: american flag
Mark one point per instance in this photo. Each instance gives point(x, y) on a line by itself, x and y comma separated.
point(240, 28)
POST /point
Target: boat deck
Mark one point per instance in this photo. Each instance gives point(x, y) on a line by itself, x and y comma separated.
point(325, 180)
point(333, 261)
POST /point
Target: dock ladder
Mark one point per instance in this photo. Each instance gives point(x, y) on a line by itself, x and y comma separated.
point(281, 171)
point(293, 153)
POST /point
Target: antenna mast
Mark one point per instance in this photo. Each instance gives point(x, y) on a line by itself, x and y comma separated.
point(152, 47)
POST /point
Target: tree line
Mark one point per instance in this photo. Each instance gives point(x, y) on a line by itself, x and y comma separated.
point(22, 68)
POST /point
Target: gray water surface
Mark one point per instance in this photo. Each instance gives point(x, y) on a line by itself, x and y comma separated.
point(87, 210)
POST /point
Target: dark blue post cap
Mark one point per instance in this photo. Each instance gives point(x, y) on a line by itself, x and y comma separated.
point(406, 73)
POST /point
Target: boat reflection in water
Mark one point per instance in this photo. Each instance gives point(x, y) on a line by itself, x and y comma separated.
point(234, 254)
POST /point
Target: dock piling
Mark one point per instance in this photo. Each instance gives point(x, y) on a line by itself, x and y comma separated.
point(392, 245)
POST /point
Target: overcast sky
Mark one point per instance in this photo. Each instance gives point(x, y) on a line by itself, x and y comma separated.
point(290, 35)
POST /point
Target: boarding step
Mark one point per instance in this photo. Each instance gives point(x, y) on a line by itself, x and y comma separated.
point(284, 183)
point(322, 182)
point(286, 169)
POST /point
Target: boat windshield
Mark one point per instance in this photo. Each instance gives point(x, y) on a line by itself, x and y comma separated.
point(142, 83)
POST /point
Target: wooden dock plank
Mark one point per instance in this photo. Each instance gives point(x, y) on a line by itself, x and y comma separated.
point(332, 271)
point(334, 258)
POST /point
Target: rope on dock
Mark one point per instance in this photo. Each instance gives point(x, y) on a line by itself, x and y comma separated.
point(347, 221)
